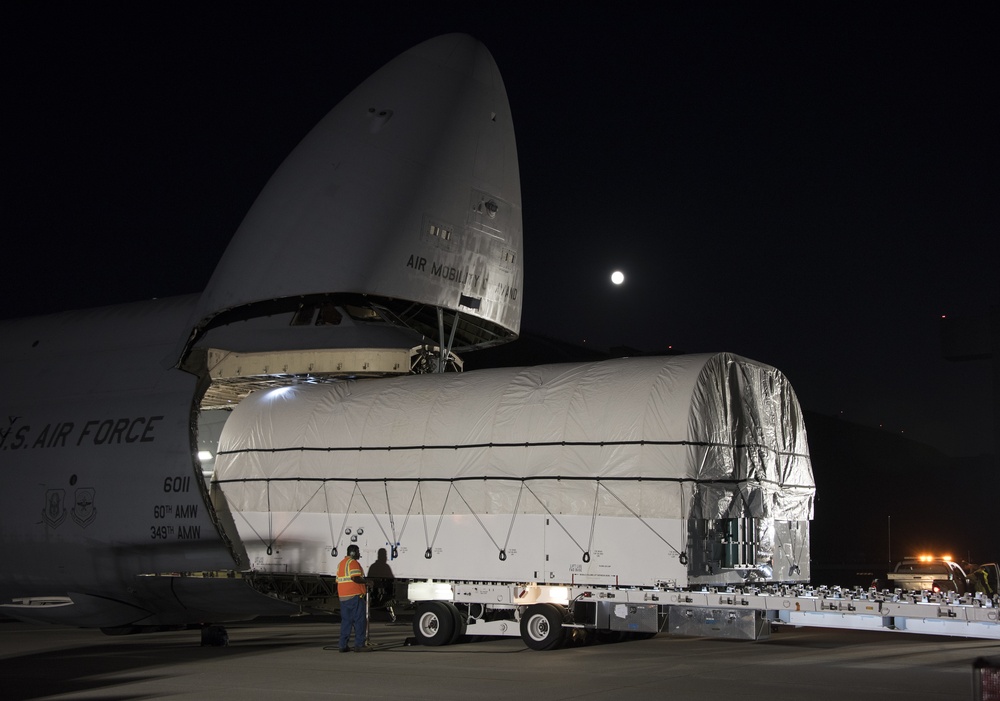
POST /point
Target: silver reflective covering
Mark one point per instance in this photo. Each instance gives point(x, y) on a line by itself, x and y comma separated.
point(710, 439)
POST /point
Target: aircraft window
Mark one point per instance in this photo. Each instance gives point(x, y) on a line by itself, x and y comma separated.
point(440, 232)
point(304, 316)
point(329, 315)
point(362, 313)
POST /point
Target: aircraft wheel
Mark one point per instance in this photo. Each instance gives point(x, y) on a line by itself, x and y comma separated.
point(214, 636)
point(541, 627)
point(434, 623)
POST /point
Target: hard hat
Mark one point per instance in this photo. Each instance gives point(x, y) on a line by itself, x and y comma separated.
point(354, 551)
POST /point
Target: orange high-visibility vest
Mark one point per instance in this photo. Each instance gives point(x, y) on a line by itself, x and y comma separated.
point(346, 571)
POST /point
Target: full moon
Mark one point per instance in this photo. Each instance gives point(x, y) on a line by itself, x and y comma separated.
point(618, 277)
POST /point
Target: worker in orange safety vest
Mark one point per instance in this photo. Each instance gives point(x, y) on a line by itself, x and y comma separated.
point(351, 589)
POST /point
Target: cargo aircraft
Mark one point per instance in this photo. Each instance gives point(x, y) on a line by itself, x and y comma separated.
point(388, 242)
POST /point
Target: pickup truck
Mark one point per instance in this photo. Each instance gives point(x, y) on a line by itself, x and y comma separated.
point(939, 574)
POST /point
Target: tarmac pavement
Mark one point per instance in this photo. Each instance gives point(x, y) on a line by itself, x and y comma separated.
point(297, 659)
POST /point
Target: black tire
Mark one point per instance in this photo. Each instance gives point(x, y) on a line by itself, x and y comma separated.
point(541, 627)
point(642, 636)
point(434, 623)
point(460, 624)
point(606, 637)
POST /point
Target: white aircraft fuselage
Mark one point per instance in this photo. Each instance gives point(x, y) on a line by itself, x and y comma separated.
point(387, 241)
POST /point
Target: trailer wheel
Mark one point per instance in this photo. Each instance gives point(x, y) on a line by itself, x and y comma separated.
point(434, 623)
point(460, 623)
point(541, 627)
point(607, 637)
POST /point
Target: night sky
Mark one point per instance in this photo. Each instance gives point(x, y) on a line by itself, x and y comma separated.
point(808, 188)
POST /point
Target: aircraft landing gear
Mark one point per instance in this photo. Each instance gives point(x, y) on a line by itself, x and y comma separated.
point(214, 636)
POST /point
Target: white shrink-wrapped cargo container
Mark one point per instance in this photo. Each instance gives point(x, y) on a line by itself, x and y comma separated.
point(636, 472)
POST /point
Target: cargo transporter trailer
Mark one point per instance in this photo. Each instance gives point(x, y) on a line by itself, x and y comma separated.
point(558, 502)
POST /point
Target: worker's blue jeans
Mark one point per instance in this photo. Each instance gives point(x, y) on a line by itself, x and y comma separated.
point(352, 615)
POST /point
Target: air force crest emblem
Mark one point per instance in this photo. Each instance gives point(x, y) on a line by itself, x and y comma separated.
point(84, 512)
point(54, 512)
